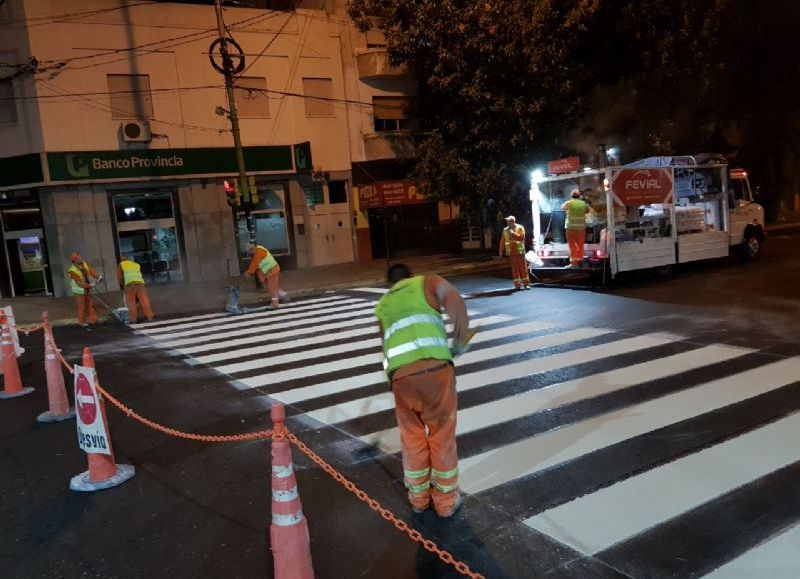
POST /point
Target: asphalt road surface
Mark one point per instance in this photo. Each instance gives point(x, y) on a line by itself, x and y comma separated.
point(645, 431)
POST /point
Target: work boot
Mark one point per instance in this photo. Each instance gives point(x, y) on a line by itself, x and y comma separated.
point(419, 510)
point(459, 501)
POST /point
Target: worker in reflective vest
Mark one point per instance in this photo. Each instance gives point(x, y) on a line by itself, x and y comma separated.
point(512, 245)
point(575, 224)
point(81, 276)
point(419, 365)
point(129, 275)
point(263, 265)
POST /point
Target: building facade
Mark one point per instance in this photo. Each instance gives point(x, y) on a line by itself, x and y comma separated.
point(115, 140)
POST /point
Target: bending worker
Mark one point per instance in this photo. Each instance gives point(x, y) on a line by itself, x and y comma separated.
point(81, 275)
point(129, 275)
point(512, 245)
point(419, 365)
point(575, 224)
point(264, 265)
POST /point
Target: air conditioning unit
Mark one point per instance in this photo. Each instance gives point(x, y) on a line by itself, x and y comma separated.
point(136, 132)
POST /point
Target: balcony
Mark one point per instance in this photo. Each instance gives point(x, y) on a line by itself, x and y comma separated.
point(388, 145)
point(373, 64)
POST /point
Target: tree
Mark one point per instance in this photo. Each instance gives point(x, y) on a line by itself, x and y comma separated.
point(506, 84)
point(495, 82)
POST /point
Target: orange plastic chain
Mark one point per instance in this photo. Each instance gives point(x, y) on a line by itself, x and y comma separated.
point(284, 433)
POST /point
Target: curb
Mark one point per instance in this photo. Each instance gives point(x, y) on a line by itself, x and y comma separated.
point(252, 300)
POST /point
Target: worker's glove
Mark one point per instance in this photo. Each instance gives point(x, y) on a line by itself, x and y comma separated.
point(459, 349)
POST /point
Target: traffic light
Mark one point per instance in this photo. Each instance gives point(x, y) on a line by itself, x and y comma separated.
point(251, 184)
point(232, 193)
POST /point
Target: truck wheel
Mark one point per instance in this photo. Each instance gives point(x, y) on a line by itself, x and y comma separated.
point(751, 247)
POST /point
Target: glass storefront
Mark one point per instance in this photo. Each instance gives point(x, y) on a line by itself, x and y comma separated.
point(147, 232)
point(269, 220)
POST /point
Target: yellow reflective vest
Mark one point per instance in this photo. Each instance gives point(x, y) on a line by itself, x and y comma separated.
point(131, 271)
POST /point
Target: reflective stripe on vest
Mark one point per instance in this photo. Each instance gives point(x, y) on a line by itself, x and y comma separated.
point(76, 289)
point(576, 214)
point(519, 246)
point(132, 271)
point(413, 330)
point(268, 262)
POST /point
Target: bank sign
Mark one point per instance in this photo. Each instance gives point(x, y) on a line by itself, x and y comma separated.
point(155, 163)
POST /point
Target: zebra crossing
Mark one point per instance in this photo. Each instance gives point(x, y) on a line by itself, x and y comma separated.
point(601, 440)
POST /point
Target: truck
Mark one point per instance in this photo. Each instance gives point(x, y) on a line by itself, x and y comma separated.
point(650, 214)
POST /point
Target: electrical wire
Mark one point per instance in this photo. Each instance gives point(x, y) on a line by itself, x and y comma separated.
point(108, 108)
point(266, 47)
point(176, 40)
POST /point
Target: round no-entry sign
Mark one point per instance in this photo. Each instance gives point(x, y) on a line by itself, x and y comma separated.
point(85, 401)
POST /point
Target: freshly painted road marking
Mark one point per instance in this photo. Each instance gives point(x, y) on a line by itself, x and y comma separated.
point(253, 320)
point(374, 290)
point(496, 375)
point(592, 523)
point(537, 453)
point(317, 353)
point(773, 559)
point(564, 393)
point(214, 319)
point(349, 311)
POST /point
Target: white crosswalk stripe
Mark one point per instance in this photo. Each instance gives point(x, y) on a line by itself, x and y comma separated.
point(323, 357)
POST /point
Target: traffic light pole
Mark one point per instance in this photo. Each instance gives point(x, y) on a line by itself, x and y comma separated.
point(237, 139)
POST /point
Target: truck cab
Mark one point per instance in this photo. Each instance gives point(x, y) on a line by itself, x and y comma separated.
point(746, 216)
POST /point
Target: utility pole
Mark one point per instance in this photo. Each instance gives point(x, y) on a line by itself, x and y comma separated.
point(227, 67)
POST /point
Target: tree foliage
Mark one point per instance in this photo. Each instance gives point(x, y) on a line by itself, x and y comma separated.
point(503, 84)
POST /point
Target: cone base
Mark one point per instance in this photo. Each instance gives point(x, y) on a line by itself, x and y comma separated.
point(48, 416)
point(82, 483)
point(23, 392)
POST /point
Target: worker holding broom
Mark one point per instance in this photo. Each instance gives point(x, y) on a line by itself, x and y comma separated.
point(81, 276)
point(129, 276)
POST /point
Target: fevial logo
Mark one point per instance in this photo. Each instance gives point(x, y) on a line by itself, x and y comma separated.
point(77, 165)
point(635, 187)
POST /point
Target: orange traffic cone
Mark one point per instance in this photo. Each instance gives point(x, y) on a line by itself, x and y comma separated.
point(56, 391)
point(291, 551)
point(103, 472)
point(12, 383)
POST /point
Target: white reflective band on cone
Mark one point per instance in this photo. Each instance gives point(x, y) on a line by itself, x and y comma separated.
point(287, 520)
point(282, 471)
point(285, 496)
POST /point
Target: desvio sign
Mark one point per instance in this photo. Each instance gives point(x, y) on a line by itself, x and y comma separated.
point(634, 187)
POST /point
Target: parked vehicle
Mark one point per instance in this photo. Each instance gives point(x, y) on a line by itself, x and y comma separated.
point(653, 213)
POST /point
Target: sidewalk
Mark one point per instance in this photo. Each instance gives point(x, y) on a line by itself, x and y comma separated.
point(170, 300)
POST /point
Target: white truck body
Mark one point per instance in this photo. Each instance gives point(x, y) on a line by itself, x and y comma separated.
point(701, 211)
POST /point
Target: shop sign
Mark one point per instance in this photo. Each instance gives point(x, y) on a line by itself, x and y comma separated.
point(635, 187)
point(115, 165)
point(389, 193)
point(560, 166)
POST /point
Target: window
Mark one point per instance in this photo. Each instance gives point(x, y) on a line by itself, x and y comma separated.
point(337, 192)
point(8, 105)
point(130, 96)
point(375, 39)
point(319, 97)
point(250, 94)
point(390, 114)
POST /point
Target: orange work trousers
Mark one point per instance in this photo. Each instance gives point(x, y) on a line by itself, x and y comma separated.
point(427, 400)
point(271, 281)
point(85, 308)
point(519, 271)
point(133, 292)
point(576, 238)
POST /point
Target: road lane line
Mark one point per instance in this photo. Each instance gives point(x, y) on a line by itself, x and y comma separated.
point(564, 393)
point(319, 353)
point(600, 519)
point(478, 379)
point(537, 453)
